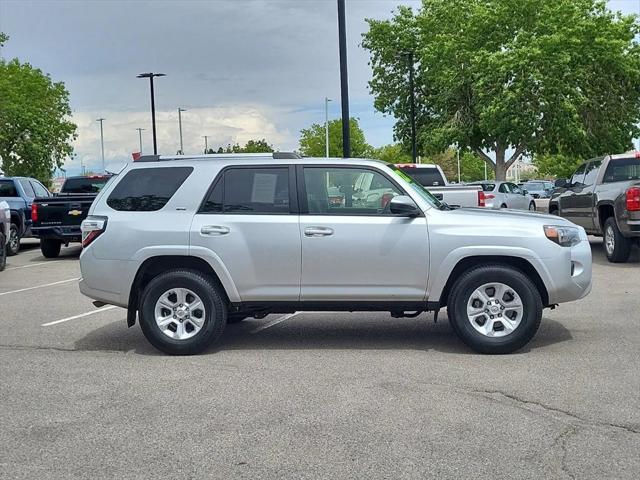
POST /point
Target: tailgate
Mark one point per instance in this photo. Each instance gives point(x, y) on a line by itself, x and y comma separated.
point(69, 213)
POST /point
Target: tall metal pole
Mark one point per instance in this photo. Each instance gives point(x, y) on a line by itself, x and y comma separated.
point(344, 81)
point(153, 107)
point(326, 125)
point(140, 137)
point(414, 146)
point(206, 145)
point(102, 141)
point(459, 181)
point(180, 110)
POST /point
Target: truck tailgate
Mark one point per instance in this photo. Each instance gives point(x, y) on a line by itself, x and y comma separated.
point(68, 211)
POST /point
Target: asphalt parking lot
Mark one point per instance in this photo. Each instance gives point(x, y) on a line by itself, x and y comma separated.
point(314, 395)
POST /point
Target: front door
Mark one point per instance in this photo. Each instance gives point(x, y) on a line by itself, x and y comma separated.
point(583, 198)
point(353, 248)
point(249, 221)
point(568, 200)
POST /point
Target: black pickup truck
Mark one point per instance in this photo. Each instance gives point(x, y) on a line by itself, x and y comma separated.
point(603, 196)
point(56, 220)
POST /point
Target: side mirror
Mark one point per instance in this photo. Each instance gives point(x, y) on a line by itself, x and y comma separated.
point(561, 183)
point(404, 206)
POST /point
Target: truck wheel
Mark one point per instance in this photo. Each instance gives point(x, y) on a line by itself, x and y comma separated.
point(494, 309)
point(13, 244)
point(182, 312)
point(617, 247)
point(50, 248)
point(3, 252)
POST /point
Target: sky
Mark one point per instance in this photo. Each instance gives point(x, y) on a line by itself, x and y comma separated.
point(242, 69)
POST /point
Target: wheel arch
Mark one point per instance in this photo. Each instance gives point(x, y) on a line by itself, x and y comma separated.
point(605, 211)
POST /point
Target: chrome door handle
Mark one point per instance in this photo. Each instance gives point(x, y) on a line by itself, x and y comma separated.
point(213, 230)
point(318, 231)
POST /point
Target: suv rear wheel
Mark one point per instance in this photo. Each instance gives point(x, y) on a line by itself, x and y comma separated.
point(13, 242)
point(495, 309)
point(617, 247)
point(182, 312)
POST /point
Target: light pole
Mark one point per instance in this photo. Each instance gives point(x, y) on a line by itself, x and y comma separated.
point(459, 164)
point(344, 80)
point(180, 110)
point(140, 130)
point(153, 106)
point(206, 145)
point(326, 124)
point(102, 140)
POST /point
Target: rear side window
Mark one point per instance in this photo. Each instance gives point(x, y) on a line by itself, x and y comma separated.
point(427, 177)
point(8, 189)
point(592, 173)
point(621, 170)
point(147, 189)
point(250, 190)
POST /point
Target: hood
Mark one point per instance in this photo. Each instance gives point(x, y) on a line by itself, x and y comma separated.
point(507, 216)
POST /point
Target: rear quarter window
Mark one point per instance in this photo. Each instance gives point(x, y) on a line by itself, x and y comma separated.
point(147, 189)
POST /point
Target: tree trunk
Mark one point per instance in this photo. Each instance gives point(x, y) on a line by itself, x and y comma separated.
point(501, 166)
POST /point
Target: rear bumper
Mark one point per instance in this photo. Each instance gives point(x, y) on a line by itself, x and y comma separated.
point(63, 233)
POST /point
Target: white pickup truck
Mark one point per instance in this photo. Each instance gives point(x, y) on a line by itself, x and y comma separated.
point(433, 179)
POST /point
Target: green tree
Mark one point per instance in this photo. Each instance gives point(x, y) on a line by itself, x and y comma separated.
point(312, 140)
point(252, 146)
point(393, 153)
point(526, 76)
point(35, 133)
point(560, 166)
point(471, 165)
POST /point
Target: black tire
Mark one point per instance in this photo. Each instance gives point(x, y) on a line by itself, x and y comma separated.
point(619, 249)
point(50, 248)
point(235, 318)
point(532, 207)
point(517, 281)
point(3, 252)
point(503, 206)
point(214, 306)
point(13, 242)
point(554, 211)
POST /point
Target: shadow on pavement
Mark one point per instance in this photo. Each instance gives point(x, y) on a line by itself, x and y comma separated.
point(324, 333)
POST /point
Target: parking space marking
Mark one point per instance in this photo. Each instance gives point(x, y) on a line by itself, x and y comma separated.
point(275, 322)
point(28, 266)
point(40, 286)
point(92, 312)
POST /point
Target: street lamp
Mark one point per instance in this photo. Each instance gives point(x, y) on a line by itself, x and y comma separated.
point(412, 97)
point(206, 145)
point(140, 130)
point(180, 110)
point(102, 140)
point(344, 81)
point(153, 106)
point(326, 124)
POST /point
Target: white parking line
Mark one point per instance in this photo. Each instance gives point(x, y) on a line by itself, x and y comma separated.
point(40, 286)
point(103, 309)
point(29, 266)
point(275, 322)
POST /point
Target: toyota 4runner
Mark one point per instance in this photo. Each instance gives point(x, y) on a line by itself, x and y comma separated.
point(190, 244)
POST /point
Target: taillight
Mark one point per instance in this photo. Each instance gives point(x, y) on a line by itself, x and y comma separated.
point(481, 198)
point(34, 212)
point(92, 227)
point(633, 199)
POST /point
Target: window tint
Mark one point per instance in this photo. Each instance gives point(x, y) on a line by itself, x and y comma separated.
point(39, 189)
point(515, 189)
point(592, 172)
point(26, 186)
point(147, 189)
point(486, 187)
point(84, 184)
point(578, 177)
point(620, 170)
point(503, 188)
point(213, 202)
point(428, 177)
point(347, 191)
point(8, 189)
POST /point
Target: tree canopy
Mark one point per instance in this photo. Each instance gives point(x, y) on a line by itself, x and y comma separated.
point(313, 144)
point(252, 146)
point(35, 133)
point(505, 78)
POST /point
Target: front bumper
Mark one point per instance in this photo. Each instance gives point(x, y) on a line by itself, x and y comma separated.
point(569, 273)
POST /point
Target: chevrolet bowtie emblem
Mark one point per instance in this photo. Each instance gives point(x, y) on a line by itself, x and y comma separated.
point(75, 213)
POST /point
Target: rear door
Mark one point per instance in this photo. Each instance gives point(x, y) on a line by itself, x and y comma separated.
point(249, 219)
point(357, 250)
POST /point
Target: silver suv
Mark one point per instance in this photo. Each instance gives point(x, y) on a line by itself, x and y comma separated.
point(191, 244)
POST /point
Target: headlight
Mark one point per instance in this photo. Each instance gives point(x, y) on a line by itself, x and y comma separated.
point(563, 235)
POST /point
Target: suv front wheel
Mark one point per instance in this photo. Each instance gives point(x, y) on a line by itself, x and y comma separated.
point(182, 312)
point(494, 309)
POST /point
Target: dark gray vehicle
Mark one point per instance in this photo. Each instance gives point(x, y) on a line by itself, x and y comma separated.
point(603, 196)
point(5, 228)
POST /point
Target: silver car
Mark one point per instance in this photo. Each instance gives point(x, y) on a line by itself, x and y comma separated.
point(506, 195)
point(190, 244)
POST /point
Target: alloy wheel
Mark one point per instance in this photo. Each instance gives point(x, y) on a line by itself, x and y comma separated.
point(495, 309)
point(610, 240)
point(180, 313)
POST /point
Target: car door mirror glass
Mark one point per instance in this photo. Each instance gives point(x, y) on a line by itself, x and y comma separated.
point(403, 205)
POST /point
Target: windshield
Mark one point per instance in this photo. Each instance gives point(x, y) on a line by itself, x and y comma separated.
point(622, 170)
point(418, 188)
point(84, 184)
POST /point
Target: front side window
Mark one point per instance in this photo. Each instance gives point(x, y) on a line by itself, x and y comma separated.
point(578, 177)
point(39, 189)
point(147, 189)
point(515, 189)
point(504, 188)
point(250, 190)
point(347, 191)
point(28, 189)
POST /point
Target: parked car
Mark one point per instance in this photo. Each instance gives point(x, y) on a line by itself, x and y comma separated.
point(433, 179)
point(5, 229)
point(538, 188)
point(189, 244)
point(603, 196)
point(506, 195)
point(56, 220)
point(19, 193)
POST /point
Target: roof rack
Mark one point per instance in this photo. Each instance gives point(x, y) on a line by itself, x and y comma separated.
point(218, 156)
